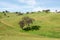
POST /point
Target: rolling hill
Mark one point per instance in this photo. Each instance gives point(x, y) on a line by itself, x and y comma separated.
point(49, 27)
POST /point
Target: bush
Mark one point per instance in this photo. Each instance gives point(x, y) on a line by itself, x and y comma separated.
point(35, 27)
point(32, 28)
point(5, 14)
point(27, 29)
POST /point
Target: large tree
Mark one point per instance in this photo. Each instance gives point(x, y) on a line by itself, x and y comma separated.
point(26, 21)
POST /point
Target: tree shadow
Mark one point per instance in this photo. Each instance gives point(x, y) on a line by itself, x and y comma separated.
point(32, 28)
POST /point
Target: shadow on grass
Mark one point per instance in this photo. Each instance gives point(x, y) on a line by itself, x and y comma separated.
point(32, 28)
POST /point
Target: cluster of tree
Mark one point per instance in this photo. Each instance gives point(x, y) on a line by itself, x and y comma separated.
point(5, 12)
point(19, 13)
point(26, 22)
point(57, 11)
point(47, 11)
point(27, 12)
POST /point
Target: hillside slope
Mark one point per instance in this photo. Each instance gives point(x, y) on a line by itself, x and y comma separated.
point(49, 23)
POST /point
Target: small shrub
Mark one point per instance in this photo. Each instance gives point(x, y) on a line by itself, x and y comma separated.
point(27, 29)
point(7, 16)
point(35, 27)
point(32, 28)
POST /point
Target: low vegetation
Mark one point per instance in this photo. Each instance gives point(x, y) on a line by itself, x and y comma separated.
point(26, 22)
point(44, 24)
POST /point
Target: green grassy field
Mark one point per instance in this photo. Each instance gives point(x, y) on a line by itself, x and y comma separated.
point(49, 27)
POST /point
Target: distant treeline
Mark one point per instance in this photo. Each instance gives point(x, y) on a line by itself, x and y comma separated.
point(20, 13)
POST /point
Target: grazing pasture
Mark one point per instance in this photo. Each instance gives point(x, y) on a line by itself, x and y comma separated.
point(49, 26)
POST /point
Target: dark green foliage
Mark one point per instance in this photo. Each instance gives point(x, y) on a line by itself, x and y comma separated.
point(27, 12)
point(35, 27)
point(3, 12)
point(7, 16)
point(26, 21)
point(6, 11)
point(32, 28)
point(32, 12)
point(27, 29)
point(19, 13)
point(47, 11)
point(16, 12)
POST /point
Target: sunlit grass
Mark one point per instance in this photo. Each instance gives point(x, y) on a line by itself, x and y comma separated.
point(49, 23)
